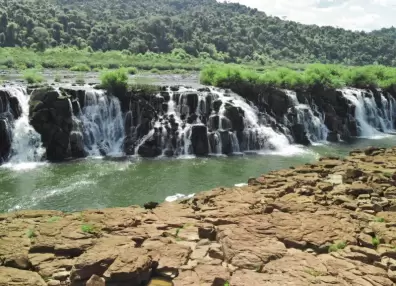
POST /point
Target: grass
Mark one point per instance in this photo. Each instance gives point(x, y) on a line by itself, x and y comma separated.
point(89, 228)
point(31, 234)
point(32, 76)
point(313, 272)
point(80, 68)
point(375, 241)
point(337, 246)
point(114, 80)
point(132, 70)
point(379, 219)
point(330, 76)
point(54, 219)
point(227, 283)
point(86, 60)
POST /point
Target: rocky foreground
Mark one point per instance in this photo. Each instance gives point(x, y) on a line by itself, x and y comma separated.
point(329, 223)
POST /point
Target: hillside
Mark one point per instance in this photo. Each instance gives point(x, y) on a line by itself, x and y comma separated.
point(205, 28)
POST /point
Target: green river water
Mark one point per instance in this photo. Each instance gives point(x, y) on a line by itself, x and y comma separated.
point(99, 183)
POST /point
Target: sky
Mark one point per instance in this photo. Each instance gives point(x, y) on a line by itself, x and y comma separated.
point(364, 15)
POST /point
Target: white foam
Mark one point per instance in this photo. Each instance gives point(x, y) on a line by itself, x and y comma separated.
point(41, 195)
point(24, 166)
point(178, 197)
point(241, 185)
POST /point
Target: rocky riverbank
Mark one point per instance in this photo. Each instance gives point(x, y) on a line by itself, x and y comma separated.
point(329, 223)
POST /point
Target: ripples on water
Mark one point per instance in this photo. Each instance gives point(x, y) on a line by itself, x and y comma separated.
point(99, 183)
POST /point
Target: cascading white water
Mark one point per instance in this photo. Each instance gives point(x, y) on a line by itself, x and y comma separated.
point(26, 142)
point(372, 120)
point(254, 135)
point(102, 123)
point(313, 124)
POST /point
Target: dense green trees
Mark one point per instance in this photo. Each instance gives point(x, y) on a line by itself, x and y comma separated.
point(201, 28)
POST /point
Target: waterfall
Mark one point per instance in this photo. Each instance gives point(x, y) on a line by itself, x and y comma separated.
point(372, 120)
point(309, 117)
point(26, 142)
point(210, 121)
point(102, 122)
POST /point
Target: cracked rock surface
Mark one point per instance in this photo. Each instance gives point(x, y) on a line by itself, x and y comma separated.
point(328, 223)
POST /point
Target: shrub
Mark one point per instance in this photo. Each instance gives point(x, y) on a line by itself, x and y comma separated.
point(81, 68)
point(379, 219)
point(115, 81)
point(337, 246)
point(31, 234)
point(89, 228)
point(375, 241)
point(132, 70)
point(154, 70)
point(54, 219)
point(32, 76)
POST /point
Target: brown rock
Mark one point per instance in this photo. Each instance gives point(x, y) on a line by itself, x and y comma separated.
point(20, 261)
point(17, 277)
point(96, 281)
point(133, 266)
point(358, 189)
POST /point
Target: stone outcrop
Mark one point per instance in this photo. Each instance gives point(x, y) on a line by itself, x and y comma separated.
point(10, 110)
point(51, 115)
point(328, 223)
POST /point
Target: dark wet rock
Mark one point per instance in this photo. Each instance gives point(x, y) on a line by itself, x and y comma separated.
point(5, 142)
point(51, 116)
point(300, 135)
point(235, 115)
point(150, 205)
point(199, 140)
point(226, 142)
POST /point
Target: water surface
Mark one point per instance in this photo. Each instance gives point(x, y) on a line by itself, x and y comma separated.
point(98, 183)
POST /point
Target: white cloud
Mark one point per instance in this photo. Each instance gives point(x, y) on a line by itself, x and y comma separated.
point(349, 14)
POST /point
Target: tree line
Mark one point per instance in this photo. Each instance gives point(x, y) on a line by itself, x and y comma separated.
point(226, 32)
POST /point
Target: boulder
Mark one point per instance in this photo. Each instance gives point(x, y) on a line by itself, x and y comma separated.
point(5, 142)
point(199, 140)
point(16, 277)
point(300, 135)
point(235, 115)
point(50, 114)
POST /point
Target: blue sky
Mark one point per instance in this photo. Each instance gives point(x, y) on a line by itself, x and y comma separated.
point(349, 14)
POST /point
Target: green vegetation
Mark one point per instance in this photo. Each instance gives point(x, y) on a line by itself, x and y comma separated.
point(337, 246)
point(85, 60)
point(80, 67)
point(379, 219)
point(227, 283)
point(114, 80)
point(313, 272)
point(375, 241)
point(132, 70)
point(31, 234)
point(54, 219)
point(89, 228)
point(32, 76)
point(225, 32)
point(332, 76)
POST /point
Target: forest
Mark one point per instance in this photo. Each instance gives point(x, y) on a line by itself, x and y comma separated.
point(204, 29)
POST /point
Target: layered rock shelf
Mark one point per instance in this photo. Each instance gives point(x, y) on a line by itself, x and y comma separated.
point(328, 223)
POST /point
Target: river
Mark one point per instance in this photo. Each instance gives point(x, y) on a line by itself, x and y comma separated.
point(100, 183)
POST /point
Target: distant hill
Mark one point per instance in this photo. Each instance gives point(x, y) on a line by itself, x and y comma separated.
point(223, 31)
